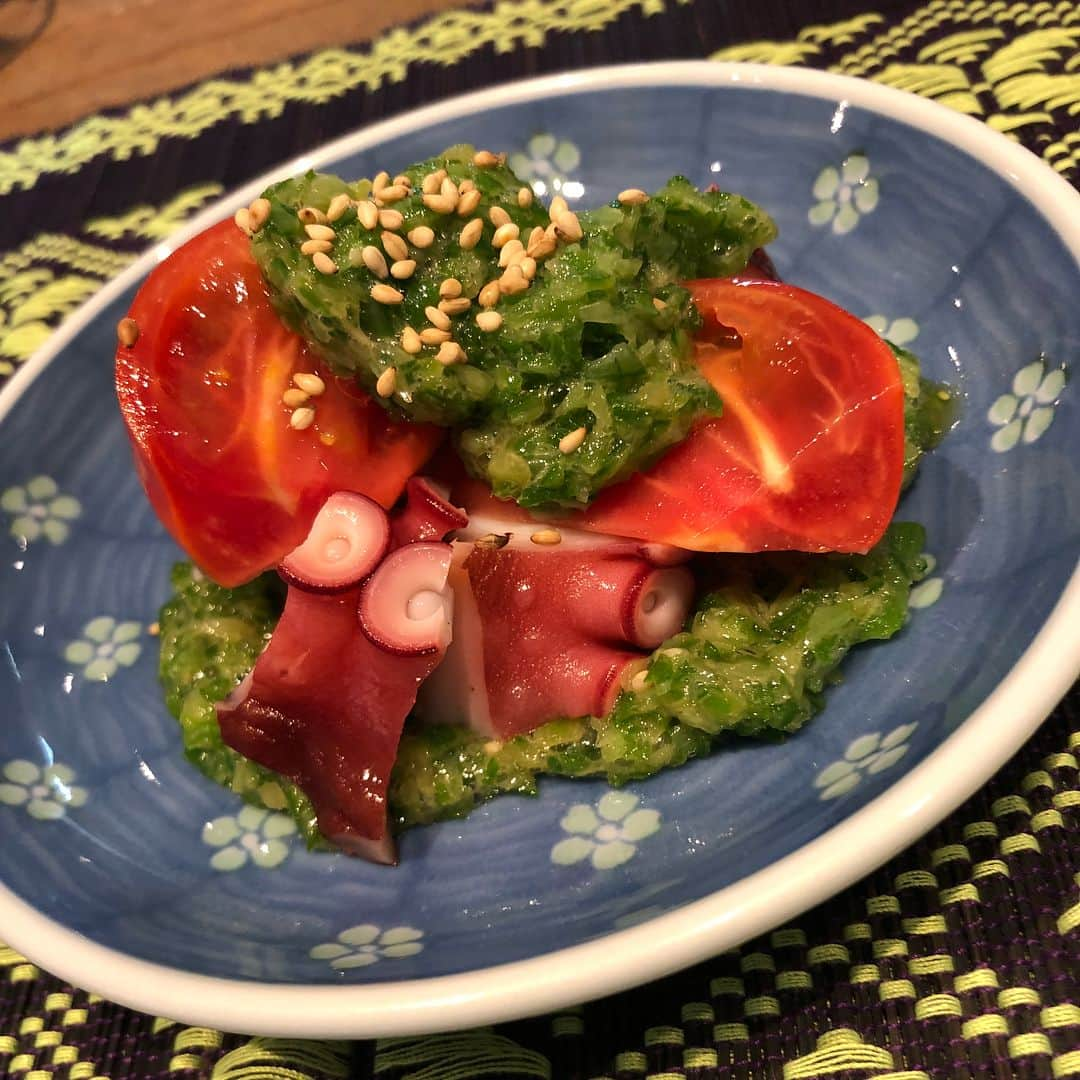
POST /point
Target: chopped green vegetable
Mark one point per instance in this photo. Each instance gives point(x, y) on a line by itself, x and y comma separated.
point(929, 411)
point(585, 345)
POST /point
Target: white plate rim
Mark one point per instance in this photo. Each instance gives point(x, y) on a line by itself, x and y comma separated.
point(725, 918)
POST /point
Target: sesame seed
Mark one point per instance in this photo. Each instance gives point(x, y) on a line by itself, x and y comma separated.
point(450, 352)
point(394, 193)
point(485, 159)
point(410, 341)
point(294, 397)
point(323, 263)
point(468, 203)
point(391, 219)
point(449, 190)
point(386, 382)
point(568, 226)
point(535, 236)
point(394, 246)
point(431, 182)
point(403, 268)
point(401, 180)
point(524, 197)
point(470, 235)
point(374, 260)
point(258, 212)
point(457, 305)
point(422, 236)
point(489, 295)
point(640, 679)
point(659, 304)
point(320, 232)
point(498, 216)
point(440, 203)
point(368, 213)
point(154, 629)
point(504, 234)
point(242, 217)
point(310, 247)
point(437, 318)
point(380, 181)
point(310, 383)
point(633, 197)
point(432, 335)
point(513, 281)
point(127, 332)
point(338, 205)
point(540, 244)
point(558, 206)
point(466, 185)
point(385, 294)
point(310, 215)
point(528, 267)
point(302, 418)
point(511, 251)
point(489, 321)
point(570, 442)
point(547, 537)
point(450, 288)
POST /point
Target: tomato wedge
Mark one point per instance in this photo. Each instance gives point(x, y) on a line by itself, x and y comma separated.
point(809, 452)
point(201, 394)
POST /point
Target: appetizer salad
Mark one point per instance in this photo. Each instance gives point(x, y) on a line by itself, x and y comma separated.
point(476, 489)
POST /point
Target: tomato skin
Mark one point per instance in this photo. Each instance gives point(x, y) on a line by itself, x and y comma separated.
point(200, 392)
point(808, 454)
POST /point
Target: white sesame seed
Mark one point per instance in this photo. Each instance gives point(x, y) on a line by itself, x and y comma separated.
point(242, 218)
point(310, 383)
point(391, 219)
point(489, 321)
point(311, 215)
point(403, 268)
point(457, 305)
point(127, 332)
point(448, 189)
point(310, 247)
point(659, 304)
point(558, 206)
point(450, 352)
point(320, 232)
point(368, 213)
point(394, 246)
point(431, 182)
point(524, 197)
point(511, 250)
point(437, 318)
point(546, 537)
point(633, 197)
point(498, 216)
point(302, 418)
point(466, 185)
point(540, 244)
point(410, 341)
point(432, 335)
point(386, 382)
point(513, 281)
point(570, 442)
point(258, 212)
point(568, 226)
point(386, 294)
point(323, 263)
point(394, 193)
point(402, 180)
point(535, 236)
point(338, 205)
point(374, 260)
point(380, 181)
point(505, 233)
point(528, 267)
point(440, 204)
point(422, 236)
point(640, 679)
point(489, 295)
point(294, 397)
point(470, 235)
point(485, 159)
point(468, 203)
point(450, 288)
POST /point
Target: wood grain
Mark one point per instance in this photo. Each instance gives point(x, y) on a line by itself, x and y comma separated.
point(98, 53)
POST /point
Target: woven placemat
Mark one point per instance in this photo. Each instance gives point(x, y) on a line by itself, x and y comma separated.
point(959, 959)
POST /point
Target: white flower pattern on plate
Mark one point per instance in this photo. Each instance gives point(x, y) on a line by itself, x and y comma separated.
point(844, 195)
point(866, 755)
point(607, 835)
point(254, 834)
point(362, 945)
point(39, 510)
point(902, 331)
point(106, 646)
point(1026, 413)
point(47, 793)
point(546, 163)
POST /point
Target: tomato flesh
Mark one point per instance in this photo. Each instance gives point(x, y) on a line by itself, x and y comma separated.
point(809, 452)
point(201, 394)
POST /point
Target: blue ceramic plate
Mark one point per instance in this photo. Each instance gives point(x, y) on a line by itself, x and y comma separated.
point(125, 871)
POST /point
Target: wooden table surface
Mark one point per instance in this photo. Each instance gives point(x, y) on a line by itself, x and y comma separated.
point(97, 53)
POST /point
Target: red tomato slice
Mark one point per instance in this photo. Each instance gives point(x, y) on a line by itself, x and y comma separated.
point(201, 392)
point(809, 452)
